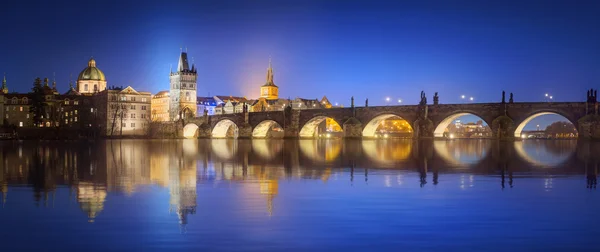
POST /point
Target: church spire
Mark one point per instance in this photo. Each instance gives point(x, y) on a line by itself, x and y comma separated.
point(270, 72)
point(54, 81)
point(71, 81)
point(4, 87)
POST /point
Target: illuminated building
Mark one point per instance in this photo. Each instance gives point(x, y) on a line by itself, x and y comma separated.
point(160, 106)
point(269, 90)
point(205, 103)
point(91, 80)
point(269, 188)
point(183, 90)
point(123, 112)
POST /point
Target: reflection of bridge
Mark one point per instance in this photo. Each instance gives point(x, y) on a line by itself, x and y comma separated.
point(505, 119)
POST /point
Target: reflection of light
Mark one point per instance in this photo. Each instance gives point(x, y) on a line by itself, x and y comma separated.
point(328, 135)
point(385, 135)
point(388, 181)
point(451, 135)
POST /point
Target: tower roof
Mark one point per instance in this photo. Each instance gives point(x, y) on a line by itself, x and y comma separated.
point(4, 87)
point(269, 75)
point(91, 72)
point(183, 62)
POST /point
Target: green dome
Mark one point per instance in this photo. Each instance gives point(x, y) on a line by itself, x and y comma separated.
point(91, 72)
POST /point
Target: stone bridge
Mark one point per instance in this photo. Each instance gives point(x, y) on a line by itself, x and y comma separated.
point(506, 120)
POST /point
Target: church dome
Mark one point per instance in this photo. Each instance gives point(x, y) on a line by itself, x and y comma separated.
point(91, 72)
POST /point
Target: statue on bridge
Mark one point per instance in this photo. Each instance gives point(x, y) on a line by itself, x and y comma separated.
point(367, 103)
point(436, 99)
point(423, 99)
point(352, 102)
point(503, 96)
point(510, 100)
point(245, 107)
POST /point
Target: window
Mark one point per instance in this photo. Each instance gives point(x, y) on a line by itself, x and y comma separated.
point(21, 109)
point(132, 98)
point(92, 110)
point(66, 102)
point(133, 125)
point(76, 111)
point(76, 102)
point(95, 88)
point(66, 121)
point(123, 107)
point(66, 113)
point(133, 107)
point(113, 98)
point(27, 116)
point(143, 107)
point(132, 116)
point(24, 100)
point(20, 124)
point(76, 118)
point(85, 87)
point(143, 99)
point(143, 116)
point(183, 85)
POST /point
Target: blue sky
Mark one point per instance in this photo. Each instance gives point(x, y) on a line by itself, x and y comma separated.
point(365, 49)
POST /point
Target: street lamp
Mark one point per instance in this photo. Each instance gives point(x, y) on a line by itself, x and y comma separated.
point(399, 100)
point(471, 98)
point(546, 94)
point(462, 97)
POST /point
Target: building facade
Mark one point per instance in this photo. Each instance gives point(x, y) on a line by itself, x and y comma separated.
point(124, 112)
point(91, 80)
point(205, 103)
point(183, 90)
point(160, 106)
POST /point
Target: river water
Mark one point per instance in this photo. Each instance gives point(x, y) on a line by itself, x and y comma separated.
point(299, 195)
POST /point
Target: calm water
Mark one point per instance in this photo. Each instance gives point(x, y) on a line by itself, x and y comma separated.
point(276, 195)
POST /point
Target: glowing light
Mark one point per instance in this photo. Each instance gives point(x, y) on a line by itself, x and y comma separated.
point(385, 135)
point(399, 101)
point(462, 97)
point(328, 135)
point(551, 97)
point(451, 135)
point(387, 99)
point(471, 98)
point(523, 136)
point(546, 94)
point(336, 104)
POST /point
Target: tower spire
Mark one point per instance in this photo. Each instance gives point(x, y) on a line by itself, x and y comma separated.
point(270, 72)
point(54, 80)
point(183, 63)
point(4, 87)
point(70, 81)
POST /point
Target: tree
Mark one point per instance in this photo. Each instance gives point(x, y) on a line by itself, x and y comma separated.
point(118, 110)
point(37, 102)
point(561, 129)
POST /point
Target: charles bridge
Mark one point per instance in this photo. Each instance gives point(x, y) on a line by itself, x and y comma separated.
point(506, 119)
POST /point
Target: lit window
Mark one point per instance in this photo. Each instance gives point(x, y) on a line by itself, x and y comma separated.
point(85, 87)
point(6, 116)
point(20, 124)
point(76, 118)
point(123, 98)
point(27, 116)
point(66, 121)
point(66, 102)
point(76, 111)
point(92, 110)
point(143, 99)
point(66, 113)
point(21, 109)
point(76, 102)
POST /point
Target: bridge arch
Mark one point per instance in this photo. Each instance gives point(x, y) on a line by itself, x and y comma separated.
point(190, 130)
point(311, 128)
point(522, 124)
point(225, 129)
point(267, 129)
point(440, 129)
point(370, 130)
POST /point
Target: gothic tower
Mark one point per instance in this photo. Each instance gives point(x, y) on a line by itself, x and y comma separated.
point(183, 90)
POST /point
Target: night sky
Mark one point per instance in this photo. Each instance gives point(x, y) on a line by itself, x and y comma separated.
point(366, 49)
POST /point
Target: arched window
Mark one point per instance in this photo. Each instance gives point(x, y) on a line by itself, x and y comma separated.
point(15, 100)
point(24, 100)
point(85, 87)
point(95, 88)
point(187, 96)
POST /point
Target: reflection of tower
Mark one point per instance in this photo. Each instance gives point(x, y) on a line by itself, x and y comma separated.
point(183, 190)
point(91, 198)
point(270, 188)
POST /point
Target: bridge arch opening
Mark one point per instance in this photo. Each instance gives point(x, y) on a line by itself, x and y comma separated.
point(268, 129)
point(190, 130)
point(225, 129)
point(321, 127)
point(546, 125)
point(388, 126)
point(463, 125)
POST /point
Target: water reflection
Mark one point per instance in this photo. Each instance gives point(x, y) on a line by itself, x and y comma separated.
point(93, 171)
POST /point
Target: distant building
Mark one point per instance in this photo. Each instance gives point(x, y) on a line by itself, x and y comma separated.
point(183, 90)
point(205, 103)
point(123, 112)
point(91, 80)
point(160, 106)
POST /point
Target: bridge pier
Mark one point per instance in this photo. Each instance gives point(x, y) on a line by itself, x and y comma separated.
point(589, 127)
point(352, 128)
